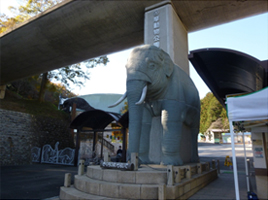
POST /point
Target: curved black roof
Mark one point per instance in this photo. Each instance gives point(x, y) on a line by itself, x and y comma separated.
point(227, 71)
point(123, 121)
point(80, 104)
point(95, 119)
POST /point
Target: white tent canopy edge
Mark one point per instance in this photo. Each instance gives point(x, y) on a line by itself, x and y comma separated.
point(249, 107)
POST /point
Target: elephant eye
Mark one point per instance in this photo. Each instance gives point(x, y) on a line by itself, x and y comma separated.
point(152, 65)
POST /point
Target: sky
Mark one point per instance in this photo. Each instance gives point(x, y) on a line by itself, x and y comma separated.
point(249, 35)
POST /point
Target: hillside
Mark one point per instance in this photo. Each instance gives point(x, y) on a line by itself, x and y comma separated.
point(13, 101)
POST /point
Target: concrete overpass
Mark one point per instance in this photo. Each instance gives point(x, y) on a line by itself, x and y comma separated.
point(77, 30)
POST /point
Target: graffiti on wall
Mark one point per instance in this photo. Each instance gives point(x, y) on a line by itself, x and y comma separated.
point(35, 152)
point(66, 156)
point(53, 156)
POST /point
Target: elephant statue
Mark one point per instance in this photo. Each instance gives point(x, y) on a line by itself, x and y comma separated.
point(158, 87)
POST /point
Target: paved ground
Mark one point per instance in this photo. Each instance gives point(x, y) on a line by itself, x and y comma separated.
point(223, 188)
point(36, 181)
point(42, 181)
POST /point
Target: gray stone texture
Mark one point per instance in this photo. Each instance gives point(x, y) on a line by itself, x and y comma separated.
point(19, 132)
point(164, 29)
point(158, 90)
point(97, 28)
point(148, 188)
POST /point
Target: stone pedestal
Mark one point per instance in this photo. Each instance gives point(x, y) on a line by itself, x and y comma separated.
point(149, 182)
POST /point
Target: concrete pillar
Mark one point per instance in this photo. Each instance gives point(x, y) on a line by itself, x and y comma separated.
point(188, 172)
point(177, 175)
point(107, 157)
point(213, 164)
point(218, 167)
point(207, 166)
point(77, 148)
point(2, 91)
point(134, 160)
point(81, 167)
point(170, 175)
point(164, 29)
point(199, 168)
point(67, 180)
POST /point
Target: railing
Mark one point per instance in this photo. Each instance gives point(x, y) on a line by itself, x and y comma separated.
point(106, 143)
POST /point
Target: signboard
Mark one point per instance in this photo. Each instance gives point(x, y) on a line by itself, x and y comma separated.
point(258, 154)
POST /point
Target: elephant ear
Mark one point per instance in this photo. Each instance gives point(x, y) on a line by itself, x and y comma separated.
point(167, 63)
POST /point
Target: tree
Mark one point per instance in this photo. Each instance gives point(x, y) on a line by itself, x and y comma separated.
point(211, 110)
point(76, 73)
point(125, 108)
point(31, 8)
point(24, 12)
point(70, 74)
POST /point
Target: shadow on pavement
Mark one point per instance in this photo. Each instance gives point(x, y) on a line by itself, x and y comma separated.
point(36, 181)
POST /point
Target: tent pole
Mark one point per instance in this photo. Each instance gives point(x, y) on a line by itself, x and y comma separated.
point(234, 162)
point(246, 165)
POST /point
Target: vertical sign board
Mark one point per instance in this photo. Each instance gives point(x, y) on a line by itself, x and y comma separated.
point(164, 29)
point(258, 150)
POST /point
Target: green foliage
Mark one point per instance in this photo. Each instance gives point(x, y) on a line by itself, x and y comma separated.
point(76, 73)
point(125, 108)
point(11, 102)
point(34, 7)
point(7, 23)
point(211, 110)
point(28, 88)
point(31, 8)
point(28, 9)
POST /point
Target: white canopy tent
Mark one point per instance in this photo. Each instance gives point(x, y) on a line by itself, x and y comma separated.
point(249, 110)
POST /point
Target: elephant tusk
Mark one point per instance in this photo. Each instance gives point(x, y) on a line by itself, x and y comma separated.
point(119, 100)
point(143, 95)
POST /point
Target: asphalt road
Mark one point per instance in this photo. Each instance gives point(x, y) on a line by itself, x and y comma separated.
point(36, 181)
point(207, 152)
point(41, 181)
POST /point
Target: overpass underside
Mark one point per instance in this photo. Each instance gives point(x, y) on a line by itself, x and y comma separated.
point(74, 31)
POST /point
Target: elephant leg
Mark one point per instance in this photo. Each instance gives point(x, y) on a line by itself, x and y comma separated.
point(145, 137)
point(194, 133)
point(172, 132)
point(194, 154)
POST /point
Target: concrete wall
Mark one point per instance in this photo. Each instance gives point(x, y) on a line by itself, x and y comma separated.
point(19, 132)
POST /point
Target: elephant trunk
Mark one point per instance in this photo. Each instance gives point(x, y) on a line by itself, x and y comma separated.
point(134, 93)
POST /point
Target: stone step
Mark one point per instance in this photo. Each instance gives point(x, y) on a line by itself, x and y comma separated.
point(142, 176)
point(73, 193)
point(116, 190)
